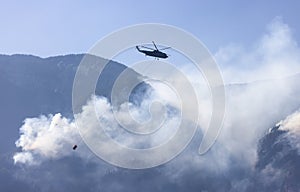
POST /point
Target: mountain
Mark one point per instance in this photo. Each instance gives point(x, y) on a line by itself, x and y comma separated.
point(32, 86)
point(278, 162)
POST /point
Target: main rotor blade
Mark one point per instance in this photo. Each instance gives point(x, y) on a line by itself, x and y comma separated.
point(165, 48)
point(154, 45)
point(147, 48)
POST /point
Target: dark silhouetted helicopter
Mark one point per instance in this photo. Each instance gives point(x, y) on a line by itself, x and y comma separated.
point(155, 52)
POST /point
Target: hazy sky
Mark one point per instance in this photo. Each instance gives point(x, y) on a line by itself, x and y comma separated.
point(53, 27)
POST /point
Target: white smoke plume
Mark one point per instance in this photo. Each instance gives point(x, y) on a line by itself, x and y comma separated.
point(52, 136)
point(291, 123)
point(261, 87)
point(45, 137)
point(275, 55)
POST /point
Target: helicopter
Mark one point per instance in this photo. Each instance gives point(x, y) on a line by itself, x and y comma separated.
point(154, 52)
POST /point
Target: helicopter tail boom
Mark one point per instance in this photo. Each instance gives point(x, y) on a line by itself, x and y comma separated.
point(137, 47)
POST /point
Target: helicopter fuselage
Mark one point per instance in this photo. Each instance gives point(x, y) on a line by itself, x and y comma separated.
point(154, 53)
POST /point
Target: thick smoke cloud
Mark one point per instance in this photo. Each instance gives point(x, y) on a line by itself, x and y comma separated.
point(274, 55)
point(45, 137)
point(291, 123)
point(52, 136)
point(262, 88)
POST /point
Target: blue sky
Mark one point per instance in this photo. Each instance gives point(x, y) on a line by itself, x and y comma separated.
point(46, 28)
